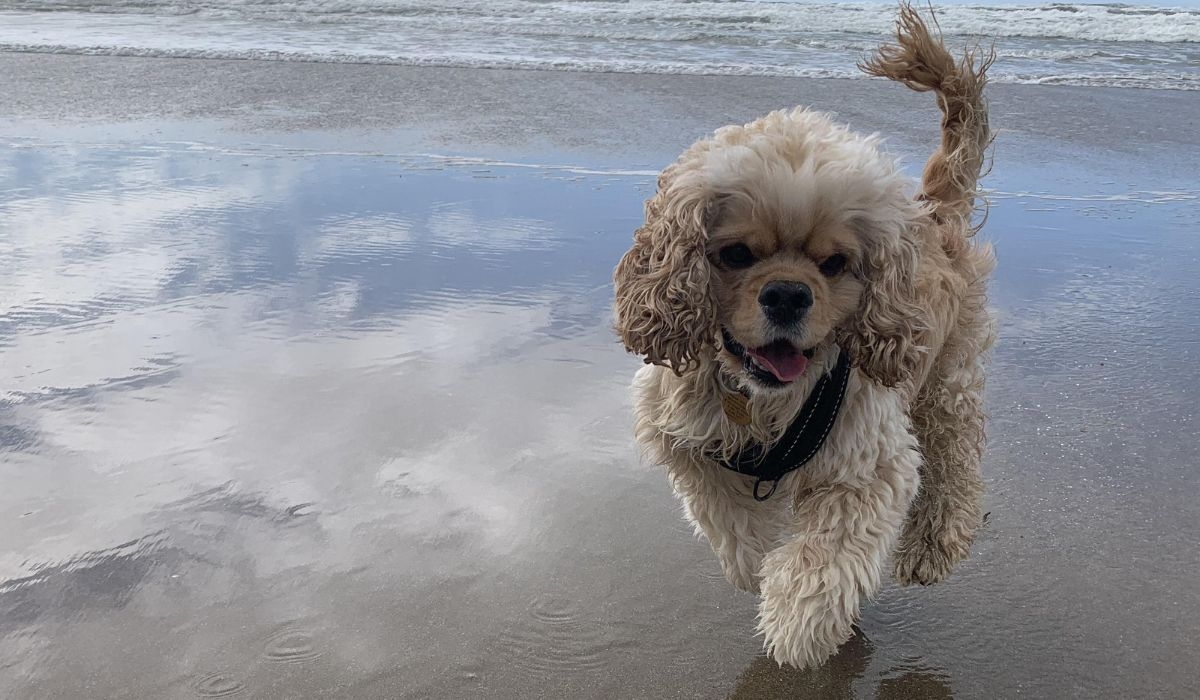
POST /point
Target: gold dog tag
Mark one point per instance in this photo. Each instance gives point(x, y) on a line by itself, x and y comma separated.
point(737, 408)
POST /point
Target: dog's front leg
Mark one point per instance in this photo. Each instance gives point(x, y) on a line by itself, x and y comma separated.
point(814, 584)
point(719, 504)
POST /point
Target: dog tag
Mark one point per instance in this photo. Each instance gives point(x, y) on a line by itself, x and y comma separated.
point(737, 408)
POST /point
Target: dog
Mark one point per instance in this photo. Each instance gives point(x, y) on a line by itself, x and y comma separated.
point(788, 268)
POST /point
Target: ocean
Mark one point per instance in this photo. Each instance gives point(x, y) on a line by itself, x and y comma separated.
point(1115, 45)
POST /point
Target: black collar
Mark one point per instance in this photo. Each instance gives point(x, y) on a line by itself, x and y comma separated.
point(803, 437)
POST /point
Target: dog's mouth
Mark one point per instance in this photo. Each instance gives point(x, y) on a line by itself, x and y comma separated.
point(777, 363)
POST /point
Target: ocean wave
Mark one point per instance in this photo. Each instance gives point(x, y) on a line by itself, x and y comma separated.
point(1114, 45)
point(1108, 22)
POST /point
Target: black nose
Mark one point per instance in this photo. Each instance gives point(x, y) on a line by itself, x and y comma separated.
point(785, 302)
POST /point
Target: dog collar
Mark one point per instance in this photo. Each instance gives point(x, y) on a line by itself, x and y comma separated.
point(802, 439)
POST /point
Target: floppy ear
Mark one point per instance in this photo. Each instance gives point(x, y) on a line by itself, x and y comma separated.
point(664, 306)
point(883, 338)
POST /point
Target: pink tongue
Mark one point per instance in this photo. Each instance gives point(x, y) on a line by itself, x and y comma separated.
point(782, 358)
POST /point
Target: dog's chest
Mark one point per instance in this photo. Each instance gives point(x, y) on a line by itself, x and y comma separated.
point(870, 430)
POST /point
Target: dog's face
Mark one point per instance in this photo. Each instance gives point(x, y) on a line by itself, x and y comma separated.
point(783, 281)
point(768, 241)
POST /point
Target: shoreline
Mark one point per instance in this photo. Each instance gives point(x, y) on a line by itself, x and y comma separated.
point(639, 119)
point(549, 67)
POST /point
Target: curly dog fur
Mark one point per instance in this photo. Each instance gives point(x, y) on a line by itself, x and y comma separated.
point(892, 278)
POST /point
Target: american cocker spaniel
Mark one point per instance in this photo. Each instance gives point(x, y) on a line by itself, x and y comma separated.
point(815, 331)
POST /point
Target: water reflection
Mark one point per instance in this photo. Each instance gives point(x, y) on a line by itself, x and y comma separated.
point(847, 675)
point(274, 377)
point(282, 424)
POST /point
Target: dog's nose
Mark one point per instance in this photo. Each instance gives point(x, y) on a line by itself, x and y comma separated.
point(785, 302)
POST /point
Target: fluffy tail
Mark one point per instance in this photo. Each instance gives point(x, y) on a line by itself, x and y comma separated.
point(920, 61)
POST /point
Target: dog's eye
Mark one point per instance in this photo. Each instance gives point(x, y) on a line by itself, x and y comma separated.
point(833, 265)
point(737, 255)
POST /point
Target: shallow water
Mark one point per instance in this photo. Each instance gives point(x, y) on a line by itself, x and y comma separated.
point(279, 424)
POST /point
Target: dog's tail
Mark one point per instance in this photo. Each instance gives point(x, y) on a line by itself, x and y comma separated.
point(921, 61)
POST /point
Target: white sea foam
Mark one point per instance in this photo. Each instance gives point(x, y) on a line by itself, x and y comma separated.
point(1117, 45)
point(681, 19)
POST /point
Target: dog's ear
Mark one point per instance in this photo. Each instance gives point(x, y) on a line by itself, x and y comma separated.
point(883, 338)
point(664, 305)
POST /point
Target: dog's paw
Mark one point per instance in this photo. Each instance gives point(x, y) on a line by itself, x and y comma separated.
point(927, 562)
point(804, 616)
point(801, 639)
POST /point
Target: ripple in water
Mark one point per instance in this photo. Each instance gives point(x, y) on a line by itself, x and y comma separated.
point(712, 571)
point(553, 610)
point(291, 645)
point(218, 685)
point(556, 638)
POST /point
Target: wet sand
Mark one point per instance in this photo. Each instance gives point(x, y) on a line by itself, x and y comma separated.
point(307, 390)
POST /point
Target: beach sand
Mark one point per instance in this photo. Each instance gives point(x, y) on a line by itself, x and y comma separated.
point(309, 390)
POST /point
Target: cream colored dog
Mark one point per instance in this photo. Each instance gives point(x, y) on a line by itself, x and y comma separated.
point(768, 251)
